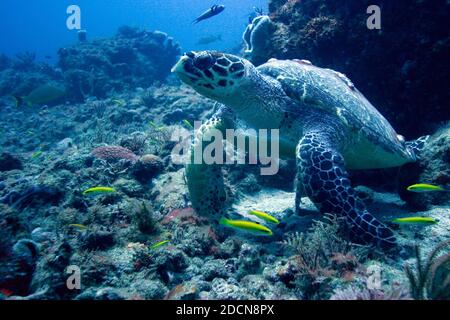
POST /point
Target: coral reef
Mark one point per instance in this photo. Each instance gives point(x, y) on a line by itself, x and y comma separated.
point(21, 74)
point(132, 58)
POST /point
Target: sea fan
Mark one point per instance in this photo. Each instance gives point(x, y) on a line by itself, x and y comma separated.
point(432, 276)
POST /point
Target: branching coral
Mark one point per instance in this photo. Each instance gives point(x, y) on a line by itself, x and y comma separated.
point(136, 142)
point(322, 254)
point(98, 108)
point(432, 277)
point(143, 217)
point(160, 140)
point(355, 293)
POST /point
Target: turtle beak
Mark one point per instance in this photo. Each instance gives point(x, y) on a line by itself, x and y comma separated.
point(179, 67)
point(186, 70)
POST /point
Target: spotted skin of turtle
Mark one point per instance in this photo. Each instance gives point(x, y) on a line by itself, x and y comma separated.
point(323, 120)
point(205, 182)
point(323, 177)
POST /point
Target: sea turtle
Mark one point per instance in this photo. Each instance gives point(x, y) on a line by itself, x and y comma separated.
point(323, 121)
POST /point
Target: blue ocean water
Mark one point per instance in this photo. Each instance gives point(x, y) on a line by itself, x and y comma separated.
point(98, 200)
point(40, 26)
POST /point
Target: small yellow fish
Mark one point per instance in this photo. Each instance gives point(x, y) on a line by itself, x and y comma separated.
point(79, 226)
point(415, 220)
point(37, 154)
point(159, 244)
point(99, 190)
point(155, 126)
point(424, 187)
point(119, 102)
point(188, 124)
point(265, 216)
point(248, 226)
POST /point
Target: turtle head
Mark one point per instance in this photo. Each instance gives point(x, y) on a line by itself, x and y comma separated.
point(215, 75)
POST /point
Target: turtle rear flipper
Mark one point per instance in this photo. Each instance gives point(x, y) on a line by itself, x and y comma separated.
point(416, 146)
point(325, 180)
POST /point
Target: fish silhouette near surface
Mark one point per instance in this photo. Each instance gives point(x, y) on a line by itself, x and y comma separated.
point(211, 12)
point(209, 39)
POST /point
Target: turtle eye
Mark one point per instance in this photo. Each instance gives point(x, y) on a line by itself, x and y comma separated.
point(204, 61)
point(190, 54)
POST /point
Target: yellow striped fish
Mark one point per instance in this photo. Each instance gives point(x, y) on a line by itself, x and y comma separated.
point(415, 220)
point(99, 190)
point(248, 226)
point(78, 226)
point(159, 244)
point(424, 187)
point(265, 216)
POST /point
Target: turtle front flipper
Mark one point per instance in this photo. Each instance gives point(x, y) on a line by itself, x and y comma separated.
point(325, 180)
point(205, 181)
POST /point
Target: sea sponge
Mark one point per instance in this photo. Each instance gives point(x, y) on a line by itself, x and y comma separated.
point(256, 38)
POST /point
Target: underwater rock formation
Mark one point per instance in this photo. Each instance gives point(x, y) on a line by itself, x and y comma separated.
point(402, 68)
point(133, 58)
point(98, 240)
point(31, 196)
point(21, 74)
point(9, 162)
point(130, 59)
point(433, 167)
point(16, 273)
